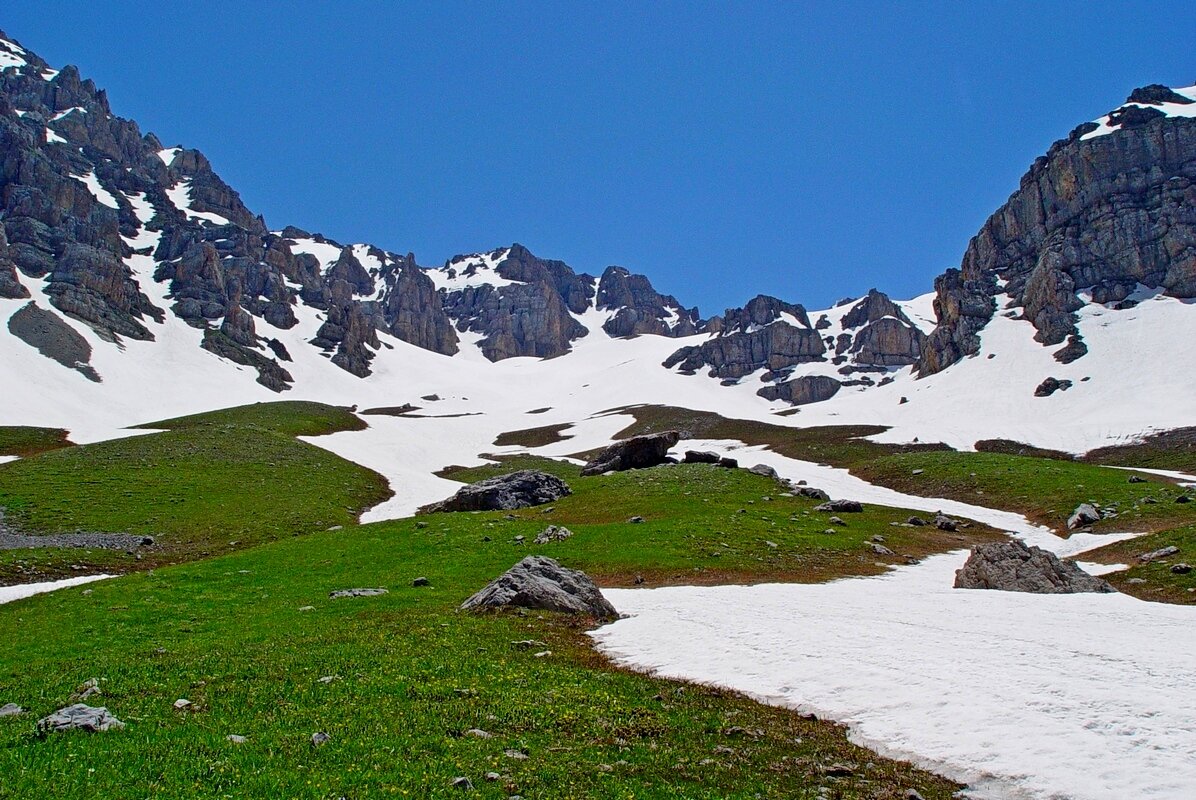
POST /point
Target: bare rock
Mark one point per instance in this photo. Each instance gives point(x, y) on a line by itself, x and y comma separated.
point(521, 489)
point(1085, 514)
point(1155, 555)
point(541, 583)
point(1015, 567)
point(553, 533)
point(637, 452)
point(841, 506)
point(79, 717)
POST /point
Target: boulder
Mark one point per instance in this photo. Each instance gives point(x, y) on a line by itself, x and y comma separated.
point(841, 506)
point(700, 457)
point(507, 492)
point(637, 452)
point(945, 523)
point(78, 717)
point(1015, 567)
point(765, 471)
point(1085, 514)
point(539, 582)
point(812, 493)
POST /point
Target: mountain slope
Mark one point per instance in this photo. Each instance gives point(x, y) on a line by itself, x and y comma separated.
point(135, 284)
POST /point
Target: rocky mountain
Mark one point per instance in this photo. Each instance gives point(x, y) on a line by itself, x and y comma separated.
point(122, 260)
point(1108, 210)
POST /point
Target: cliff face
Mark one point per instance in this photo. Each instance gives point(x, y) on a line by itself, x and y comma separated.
point(1110, 207)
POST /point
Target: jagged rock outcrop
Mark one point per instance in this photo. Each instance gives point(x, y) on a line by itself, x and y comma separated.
point(753, 338)
point(539, 582)
point(1015, 567)
point(414, 312)
point(1106, 209)
point(885, 337)
point(638, 452)
point(640, 309)
point(507, 492)
point(530, 317)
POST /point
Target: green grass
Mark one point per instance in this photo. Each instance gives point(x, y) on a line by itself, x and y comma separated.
point(705, 524)
point(1045, 490)
point(838, 445)
point(1154, 580)
point(288, 417)
point(20, 440)
point(217, 482)
point(228, 634)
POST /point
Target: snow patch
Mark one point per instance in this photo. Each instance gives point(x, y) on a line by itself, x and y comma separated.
point(21, 591)
point(95, 187)
point(180, 196)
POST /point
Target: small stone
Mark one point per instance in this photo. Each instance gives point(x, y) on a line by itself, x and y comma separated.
point(463, 783)
point(913, 794)
point(421, 581)
point(836, 521)
point(307, 608)
point(478, 733)
point(1183, 498)
point(878, 538)
point(518, 755)
point(10, 710)
point(1135, 581)
point(636, 520)
point(1085, 514)
point(181, 704)
point(918, 471)
point(1155, 555)
point(236, 738)
point(880, 549)
point(492, 776)
point(320, 738)
point(1178, 569)
point(329, 679)
point(916, 521)
point(831, 531)
point(1136, 479)
point(543, 654)
point(771, 545)
point(357, 593)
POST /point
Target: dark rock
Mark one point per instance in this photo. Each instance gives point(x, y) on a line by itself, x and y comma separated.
point(812, 493)
point(320, 738)
point(1156, 94)
point(700, 457)
point(53, 338)
point(1073, 350)
point(1051, 385)
point(636, 520)
point(728, 463)
point(79, 717)
point(1183, 498)
point(11, 710)
point(1085, 514)
point(421, 581)
point(803, 390)
point(1177, 569)
point(917, 522)
point(538, 582)
point(945, 523)
point(1013, 567)
point(738, 353)
point(507, 492)
point(1136, 479)
point(637, 452)
point(840, 506)
point(765, 471)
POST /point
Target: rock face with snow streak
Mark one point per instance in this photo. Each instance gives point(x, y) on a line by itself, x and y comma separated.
point(640, 309)
point(1105, 210)
point(1015, 567)
point(539, 582)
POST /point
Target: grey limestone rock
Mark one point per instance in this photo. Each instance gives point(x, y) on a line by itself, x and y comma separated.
point(81, 717)
point(1015, 567)
point(638, 452)
point(521, 489)
point(541, 583)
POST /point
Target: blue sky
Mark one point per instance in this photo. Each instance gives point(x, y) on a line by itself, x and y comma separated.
point(724, 149)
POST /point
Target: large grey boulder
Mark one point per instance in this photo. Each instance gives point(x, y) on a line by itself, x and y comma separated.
point(79, 717)
point(541, 583)
point(637, 452)
point(1014, 567)
point(507, 492)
